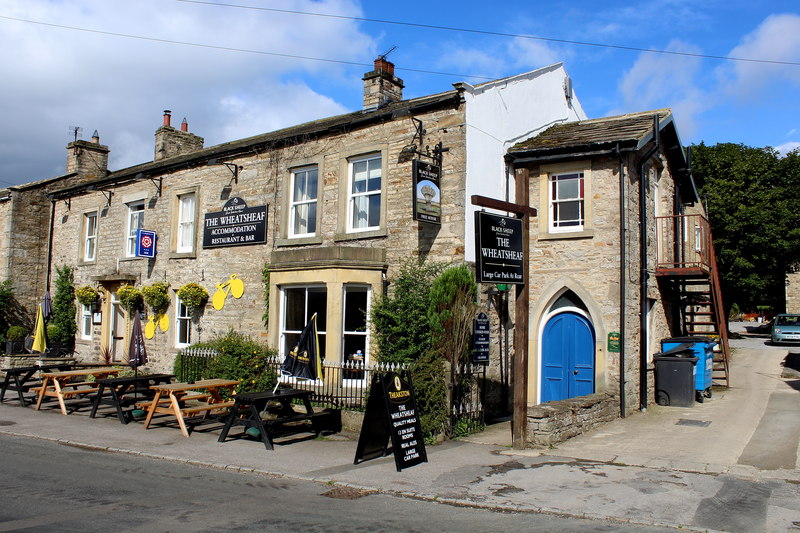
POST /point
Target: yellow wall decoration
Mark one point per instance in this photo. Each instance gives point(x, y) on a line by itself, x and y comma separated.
point(234, 286)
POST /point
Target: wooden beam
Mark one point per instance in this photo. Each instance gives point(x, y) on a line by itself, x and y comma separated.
point(492, 203)
point(519, 421)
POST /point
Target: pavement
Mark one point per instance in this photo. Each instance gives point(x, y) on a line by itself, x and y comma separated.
point(728, 464)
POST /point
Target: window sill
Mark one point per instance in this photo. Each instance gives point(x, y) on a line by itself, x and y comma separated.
point(85, 263)
point(584, 234)
point(381, 232)
point(298, 241)
point(132, 258)
point(182, 255)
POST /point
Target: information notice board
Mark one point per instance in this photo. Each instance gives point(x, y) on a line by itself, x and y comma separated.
point(391, 413)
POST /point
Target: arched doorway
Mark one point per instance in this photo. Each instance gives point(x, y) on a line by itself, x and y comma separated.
point(568, 351)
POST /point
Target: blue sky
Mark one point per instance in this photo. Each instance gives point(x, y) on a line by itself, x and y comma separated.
point(115, 65)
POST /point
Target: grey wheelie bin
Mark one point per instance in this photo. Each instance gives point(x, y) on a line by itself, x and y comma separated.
point(675, 376)
point(703, 348)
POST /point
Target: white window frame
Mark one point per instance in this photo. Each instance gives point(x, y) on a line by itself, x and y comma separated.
point(322, 334)
point(307, 202)
point(353, 287)
point(356, 197)
point(555, 226)
point(135, 221)
point(86, 322)
point(183, 323)
point(186, 236)
point(90, 236)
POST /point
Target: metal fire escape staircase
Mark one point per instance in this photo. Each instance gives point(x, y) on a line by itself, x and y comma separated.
point(686, 268)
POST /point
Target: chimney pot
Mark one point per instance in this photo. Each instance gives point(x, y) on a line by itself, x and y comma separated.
point(96, 137)
point(386, 66)
point(167, 116)
point(184, 125)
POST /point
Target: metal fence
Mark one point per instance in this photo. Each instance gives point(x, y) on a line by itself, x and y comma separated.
point(346, 385)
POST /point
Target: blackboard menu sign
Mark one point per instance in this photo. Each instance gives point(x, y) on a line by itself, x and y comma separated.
point(391, 413)
point(480, 338)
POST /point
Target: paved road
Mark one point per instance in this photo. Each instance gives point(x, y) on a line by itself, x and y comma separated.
point(54, 488)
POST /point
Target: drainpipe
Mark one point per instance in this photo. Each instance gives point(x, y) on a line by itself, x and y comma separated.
point(50, 243)
point(623, 276)
point(643, 267)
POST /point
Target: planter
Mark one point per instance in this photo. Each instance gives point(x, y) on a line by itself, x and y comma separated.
point(15, 347)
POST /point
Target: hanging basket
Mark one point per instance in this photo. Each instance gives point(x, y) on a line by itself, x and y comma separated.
point(87, 295)
point(193, 296)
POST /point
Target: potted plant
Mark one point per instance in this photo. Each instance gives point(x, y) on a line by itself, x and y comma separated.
point(55, 339)
point(15, 339)
point(87, 295)
point(130, 298)
point(193, 296)
point(156, 296)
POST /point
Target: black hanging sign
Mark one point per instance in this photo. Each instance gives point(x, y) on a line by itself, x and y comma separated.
point(392, 413)
point(480, 338)
point(427, 194)
point(499, 249)
point(235, 225)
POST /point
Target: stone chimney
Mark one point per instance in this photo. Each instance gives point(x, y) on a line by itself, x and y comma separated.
point(171, 142)
point(381, 86)
point(88, 158)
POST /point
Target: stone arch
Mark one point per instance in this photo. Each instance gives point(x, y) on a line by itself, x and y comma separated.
point(542, 309)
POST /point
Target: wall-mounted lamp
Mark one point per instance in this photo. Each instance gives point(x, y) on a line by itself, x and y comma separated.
point(233, 167)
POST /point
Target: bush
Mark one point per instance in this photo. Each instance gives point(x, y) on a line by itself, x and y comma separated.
point(242, 358)
point(54, 332)
point(16, 333)
point(64, 310)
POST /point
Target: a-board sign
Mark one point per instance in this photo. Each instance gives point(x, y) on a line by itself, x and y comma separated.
point(499, 249)
point(391, 414)
point(427, 194)
point(145, 243)
point(235, 225)
point(480, 338)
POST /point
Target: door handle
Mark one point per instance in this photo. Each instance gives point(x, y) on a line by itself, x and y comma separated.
point(574, 372)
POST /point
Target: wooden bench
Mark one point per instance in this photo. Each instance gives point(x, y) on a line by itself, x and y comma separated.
point(205, 407)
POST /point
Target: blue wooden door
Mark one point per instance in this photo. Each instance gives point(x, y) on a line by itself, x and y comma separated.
point(567, 357)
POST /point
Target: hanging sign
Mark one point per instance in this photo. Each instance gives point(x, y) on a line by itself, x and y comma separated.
point(391, 413)
point(235, 225)
point(613, 341)
point(480, 338)
point(145, 243)
point(499, 249)
point(427, 194)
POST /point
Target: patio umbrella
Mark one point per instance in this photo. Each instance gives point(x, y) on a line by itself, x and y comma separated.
point(47, 305)
point(303, 361)
point(39, 337)
point(137, 353)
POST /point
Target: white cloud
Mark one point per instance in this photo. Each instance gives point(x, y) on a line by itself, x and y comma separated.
point(56, 77)
point(661, 80)
point(776, 39)
point(785, 148)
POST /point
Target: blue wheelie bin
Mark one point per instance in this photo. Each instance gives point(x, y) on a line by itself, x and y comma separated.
point(703, 348)
point(675, 376)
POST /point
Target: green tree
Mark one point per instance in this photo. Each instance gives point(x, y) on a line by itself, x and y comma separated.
point(752, 197)
point(64, 309)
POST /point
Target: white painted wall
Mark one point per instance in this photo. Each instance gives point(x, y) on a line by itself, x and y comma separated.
point(500, 114)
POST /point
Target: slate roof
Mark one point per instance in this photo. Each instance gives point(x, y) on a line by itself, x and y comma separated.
point(631, 130)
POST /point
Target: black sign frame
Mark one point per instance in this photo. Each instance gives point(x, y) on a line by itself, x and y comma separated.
point(499, 249)
point(391, 415)
point(235, 225)
point(426, 179)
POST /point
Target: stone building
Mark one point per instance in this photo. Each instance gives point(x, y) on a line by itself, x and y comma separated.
point(314, 218)
point(609, 194)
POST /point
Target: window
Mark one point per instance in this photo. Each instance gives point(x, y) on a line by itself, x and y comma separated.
point(183, 325)
point(90, 236)
point(303, 204)
point(364, 196)
point(186, 209)
point(86, 322)
point(135, 221)
point(299, 305)
point(354, 331)
point(566, 202)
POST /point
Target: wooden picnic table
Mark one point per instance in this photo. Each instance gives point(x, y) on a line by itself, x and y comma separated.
point(248, 406)
point(126, 392)
point(184, 400)
point(70, 383)
point(23, 378)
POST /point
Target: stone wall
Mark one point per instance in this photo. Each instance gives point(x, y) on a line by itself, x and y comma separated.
point(554, 422)
point(793, 292)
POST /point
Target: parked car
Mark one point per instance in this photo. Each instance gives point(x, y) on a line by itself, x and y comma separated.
point(785, 329)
